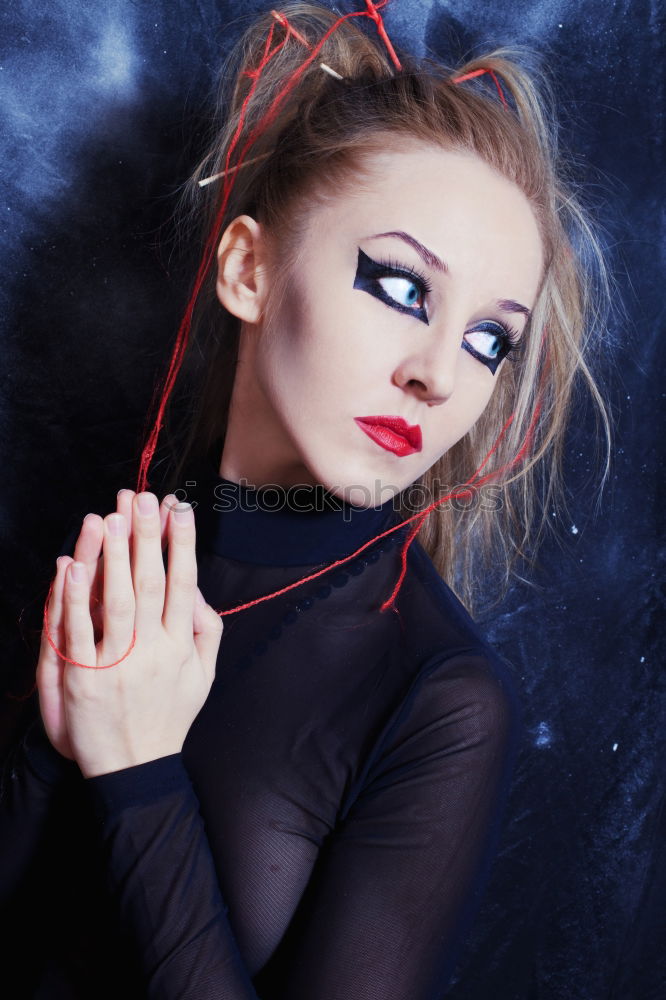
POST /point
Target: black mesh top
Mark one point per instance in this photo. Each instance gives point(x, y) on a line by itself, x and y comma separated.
point(328, 829)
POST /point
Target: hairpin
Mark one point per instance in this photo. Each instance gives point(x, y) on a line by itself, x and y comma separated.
point(332, 72)
point(372, 11)
point(216, 177)
point(291, 30)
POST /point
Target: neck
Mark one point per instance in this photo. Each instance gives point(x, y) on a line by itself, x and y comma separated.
point(277, 525)
point(257, 450)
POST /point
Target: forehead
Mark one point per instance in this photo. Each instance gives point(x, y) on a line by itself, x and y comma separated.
point(477, 221)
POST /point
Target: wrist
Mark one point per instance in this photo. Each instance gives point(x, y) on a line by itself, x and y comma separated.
point(139, 786)
point(95, 767)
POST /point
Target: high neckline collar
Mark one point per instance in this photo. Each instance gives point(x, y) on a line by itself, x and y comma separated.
point(276, 526)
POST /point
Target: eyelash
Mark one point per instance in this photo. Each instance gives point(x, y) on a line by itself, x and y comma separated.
point(512, 339)
point(402, 271)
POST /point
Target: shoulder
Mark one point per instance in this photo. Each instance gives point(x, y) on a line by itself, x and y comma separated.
point(459, 726)
point(439, 631)
point(458, 710)
point(453, 670)
point(436, 597)
point(468, 692)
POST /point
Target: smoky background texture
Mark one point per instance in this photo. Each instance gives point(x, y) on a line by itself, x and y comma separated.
point(103, 107)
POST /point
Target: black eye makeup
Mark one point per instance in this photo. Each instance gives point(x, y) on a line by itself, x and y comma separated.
point(389, 281)
point(490, 342)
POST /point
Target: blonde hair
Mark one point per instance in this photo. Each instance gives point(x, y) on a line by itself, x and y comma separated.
point(317, 145)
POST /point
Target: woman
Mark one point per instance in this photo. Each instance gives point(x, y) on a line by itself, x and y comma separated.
point(307, 802)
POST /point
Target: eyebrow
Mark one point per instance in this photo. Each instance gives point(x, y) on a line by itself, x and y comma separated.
point(433, 261)
point(509, 306)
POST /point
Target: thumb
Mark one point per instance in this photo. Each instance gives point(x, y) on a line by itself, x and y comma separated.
point(207, 629)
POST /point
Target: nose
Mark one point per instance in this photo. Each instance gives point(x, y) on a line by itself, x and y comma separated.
point(429, 372)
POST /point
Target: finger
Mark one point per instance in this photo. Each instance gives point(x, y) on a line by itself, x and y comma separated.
point(50, 665)
point(125, 501)
point(89, 543)
point(118, 591)
point(208, 629)
point(88, 548)
point(55, 607)
point(78, 624)
point(148, 565)
point(54, 610)
point(170, 501)
point(124, 506)
point(181, 583)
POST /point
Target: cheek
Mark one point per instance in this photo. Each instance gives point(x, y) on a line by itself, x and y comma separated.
point(479, 400)
point(477, 385)
point(458, 415)
point(282, 352)
point(315, 351)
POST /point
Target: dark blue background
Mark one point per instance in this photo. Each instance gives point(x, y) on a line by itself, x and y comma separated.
point(103, 109)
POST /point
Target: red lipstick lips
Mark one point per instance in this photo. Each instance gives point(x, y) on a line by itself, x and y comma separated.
point(392, 433)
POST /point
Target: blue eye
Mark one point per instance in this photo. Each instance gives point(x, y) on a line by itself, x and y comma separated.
point(401, 288)
point(398, 288)
point(485, 342)
point(490, 343)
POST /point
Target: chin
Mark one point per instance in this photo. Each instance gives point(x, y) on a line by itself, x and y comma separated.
point(340, 481)
point(362, 489)
point(357, 483)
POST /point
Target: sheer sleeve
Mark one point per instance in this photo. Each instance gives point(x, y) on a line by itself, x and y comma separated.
point(403, 875)
point(162, 876)
point(395, 886)
point(32, 776)
point(33, 773)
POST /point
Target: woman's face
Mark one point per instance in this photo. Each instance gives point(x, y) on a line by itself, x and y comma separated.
point(405, 302)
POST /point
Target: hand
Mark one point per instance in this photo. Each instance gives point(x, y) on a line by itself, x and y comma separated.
point(50, 666)
point(142, 707)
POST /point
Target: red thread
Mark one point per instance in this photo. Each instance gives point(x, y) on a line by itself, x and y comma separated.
point(181, 340)
point(480, 72)
point(282, 18)
point(372, 12)
point(75, 662)
point(209, 250)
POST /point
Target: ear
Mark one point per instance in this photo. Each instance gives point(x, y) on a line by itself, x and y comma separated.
point(242, 280)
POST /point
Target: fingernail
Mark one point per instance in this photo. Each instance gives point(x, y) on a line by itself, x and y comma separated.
point(147, 503)
point(78, 572)
point(183, 512)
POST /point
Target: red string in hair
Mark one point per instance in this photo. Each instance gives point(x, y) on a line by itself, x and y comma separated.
point(372, 12)
point(291, 30)
point(480, 72)
point(209, 250)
